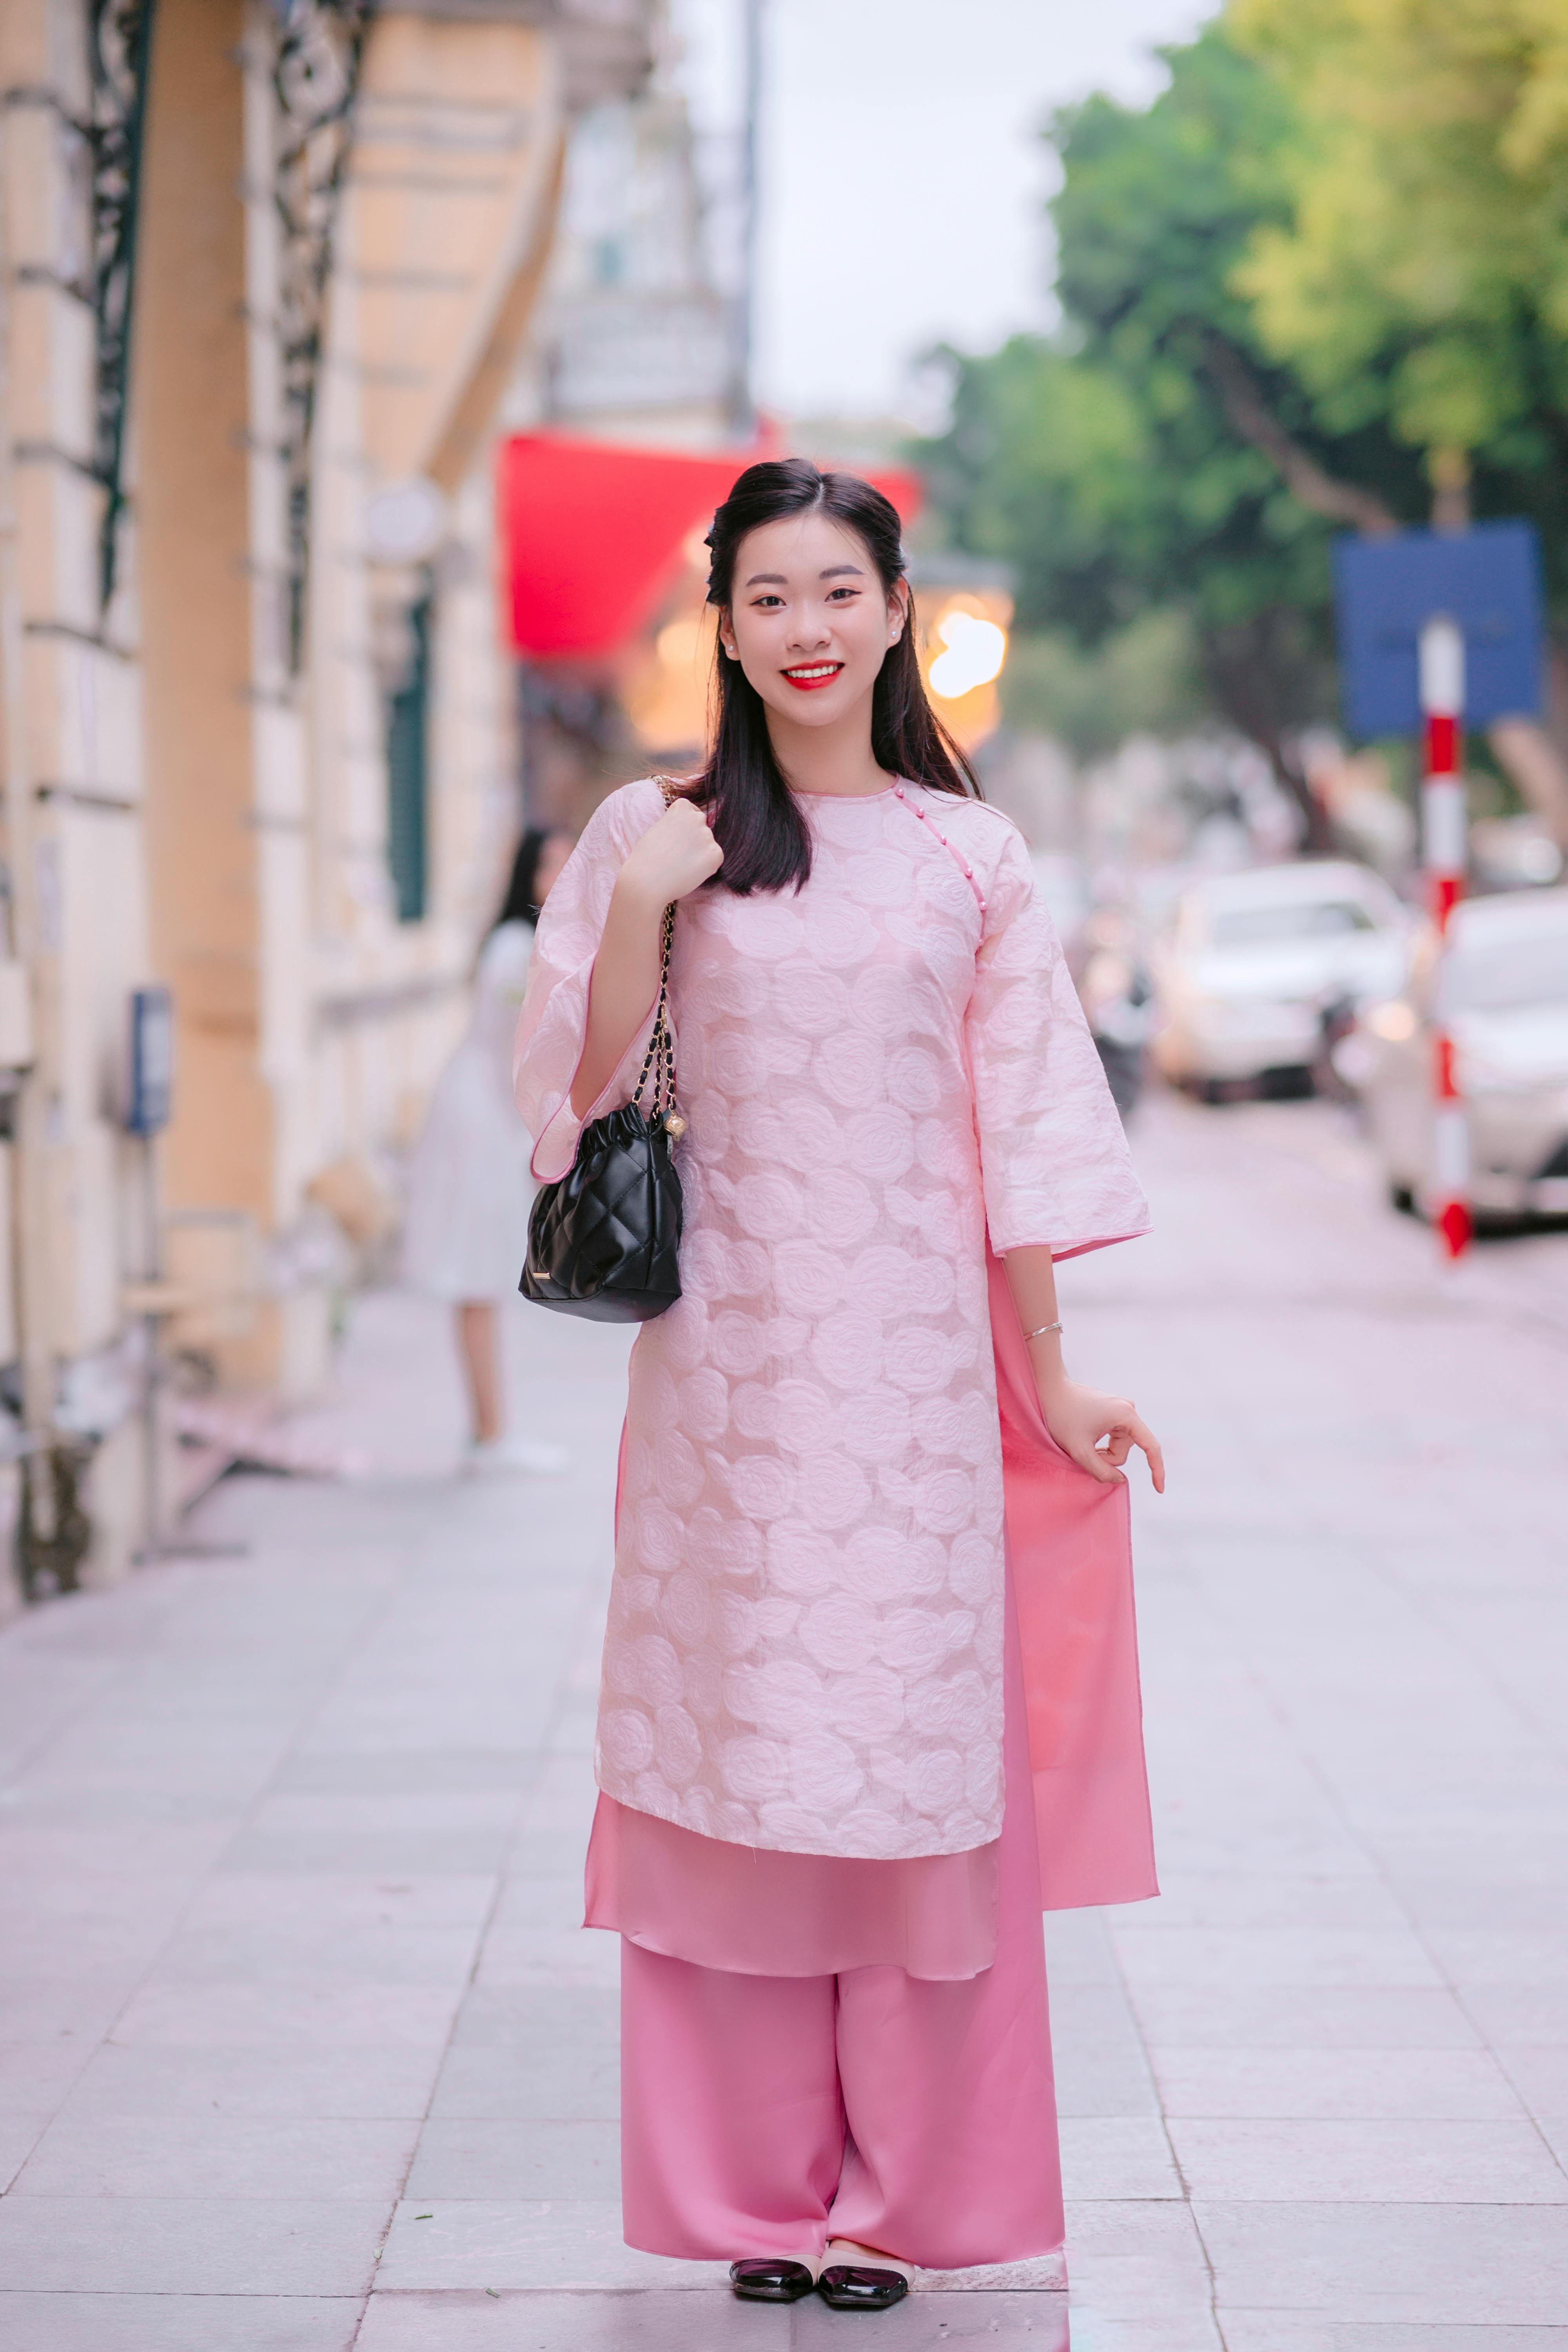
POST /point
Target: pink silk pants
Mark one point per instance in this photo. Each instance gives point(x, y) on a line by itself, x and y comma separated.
point(764, 2115)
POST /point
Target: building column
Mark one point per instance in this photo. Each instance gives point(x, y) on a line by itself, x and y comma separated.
point(192, 412)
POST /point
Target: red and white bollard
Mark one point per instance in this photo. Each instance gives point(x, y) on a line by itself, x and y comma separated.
point(1443, 842)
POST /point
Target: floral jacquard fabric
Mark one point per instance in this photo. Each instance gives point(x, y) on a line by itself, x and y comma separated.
point(805, 1641)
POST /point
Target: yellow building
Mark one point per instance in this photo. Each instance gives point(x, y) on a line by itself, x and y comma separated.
point(266, 279)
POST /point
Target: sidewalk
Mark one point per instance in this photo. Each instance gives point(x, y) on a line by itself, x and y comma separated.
point(291, 1852)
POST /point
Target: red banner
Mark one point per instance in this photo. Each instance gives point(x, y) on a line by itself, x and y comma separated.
point(591, 533)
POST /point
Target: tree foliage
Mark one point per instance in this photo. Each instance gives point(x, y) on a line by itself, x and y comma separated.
point(1421, 278)
point(1263, 341)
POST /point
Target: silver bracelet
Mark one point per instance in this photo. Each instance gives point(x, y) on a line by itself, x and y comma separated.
point(1041, 1332)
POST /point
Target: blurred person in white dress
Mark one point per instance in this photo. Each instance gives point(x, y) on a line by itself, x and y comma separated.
point(469, 1189)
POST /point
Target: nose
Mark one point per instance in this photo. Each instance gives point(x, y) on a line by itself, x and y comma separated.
point(809, 630)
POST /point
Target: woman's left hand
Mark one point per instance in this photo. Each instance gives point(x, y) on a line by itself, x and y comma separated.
point(1079, 1419)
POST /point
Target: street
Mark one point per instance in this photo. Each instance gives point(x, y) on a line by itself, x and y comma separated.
point(303, 2048)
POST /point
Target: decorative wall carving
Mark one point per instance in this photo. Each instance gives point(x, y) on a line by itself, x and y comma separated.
point(315, 77)
point(120, 37)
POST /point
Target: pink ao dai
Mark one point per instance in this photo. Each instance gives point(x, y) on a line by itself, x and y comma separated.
point(805, 1632)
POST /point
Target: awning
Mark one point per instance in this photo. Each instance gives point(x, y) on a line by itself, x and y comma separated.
point(591, 533)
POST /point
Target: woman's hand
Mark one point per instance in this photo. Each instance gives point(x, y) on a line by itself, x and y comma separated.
point(673, 858)
point(1079, 1418)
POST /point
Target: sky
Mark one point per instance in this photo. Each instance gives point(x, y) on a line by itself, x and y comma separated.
point(902, 185)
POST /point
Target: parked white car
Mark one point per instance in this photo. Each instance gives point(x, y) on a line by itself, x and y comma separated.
point(1503, 990)
point(1254, 960)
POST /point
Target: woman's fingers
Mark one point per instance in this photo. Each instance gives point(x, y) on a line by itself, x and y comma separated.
point(1143, 1435)
point(1096, 1461)
point(676, 855)
point(1107, 1455)
point(1098, 1433)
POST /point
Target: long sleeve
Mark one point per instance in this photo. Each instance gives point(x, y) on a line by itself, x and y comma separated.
point(553, 1024)
point(1054, 1160)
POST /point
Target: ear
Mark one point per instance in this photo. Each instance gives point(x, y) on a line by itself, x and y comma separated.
point(727, 633)
point(898, 609)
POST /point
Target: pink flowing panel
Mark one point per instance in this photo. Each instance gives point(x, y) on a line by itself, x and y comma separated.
point(1069, 1545)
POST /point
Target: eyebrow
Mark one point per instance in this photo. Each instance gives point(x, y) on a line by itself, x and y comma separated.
point(779, 580)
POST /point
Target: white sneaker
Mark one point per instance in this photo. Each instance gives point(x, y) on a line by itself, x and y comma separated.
point(514, 1456)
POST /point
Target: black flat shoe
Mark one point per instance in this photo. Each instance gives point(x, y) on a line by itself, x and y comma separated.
point(767, 2280)
point(855, 2286)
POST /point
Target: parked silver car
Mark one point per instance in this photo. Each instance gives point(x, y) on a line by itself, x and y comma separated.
point(1503, 991)
point(1254, 962)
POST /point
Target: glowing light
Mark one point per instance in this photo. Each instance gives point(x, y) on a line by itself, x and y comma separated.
point(679, 642)
point(976, 650)
point(1395, 1022)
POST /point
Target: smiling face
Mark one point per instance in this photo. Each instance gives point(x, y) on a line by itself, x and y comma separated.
point(809, 621)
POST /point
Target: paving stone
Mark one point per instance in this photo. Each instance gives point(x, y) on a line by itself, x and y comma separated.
point(385, 1853)
point(1308, 2162)
point(655, 2320)
point(1472, 2265)
point(37, 2076)
point(353, 2083)
point(482, 2082)
point(1251, 1958)
point(1271, 1899)
point(178, 2323)
point(1174, 2331)
point(1277, 2332)
point(557, 2242)
point(85, 2154)
point(1102, 2065)
point(170, 2011)
point(1355, 2084)
point(925, 2320)
point(1117, 2155)
point(1137, 2262)
point(394, 1772)
point(281, 1952)
point(1304, 2016)
point(273, 1904)
point(536, 2019)
point(43, 2009)
point(512, 2159)
point(528, 1957)
point(189, 2245)
point(19, 2134)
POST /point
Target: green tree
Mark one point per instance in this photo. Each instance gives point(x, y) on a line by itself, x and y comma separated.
point(1152, 452)
point(1420, 279)
point(1181, 439)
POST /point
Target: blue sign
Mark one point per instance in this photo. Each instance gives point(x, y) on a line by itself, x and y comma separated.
point(149, 1097)
point(1386, 589)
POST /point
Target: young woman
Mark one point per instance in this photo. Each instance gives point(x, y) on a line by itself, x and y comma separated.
point(859, 1680)
point(466, 1227)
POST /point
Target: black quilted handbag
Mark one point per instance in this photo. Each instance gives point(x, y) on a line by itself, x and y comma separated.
point(605, 1242)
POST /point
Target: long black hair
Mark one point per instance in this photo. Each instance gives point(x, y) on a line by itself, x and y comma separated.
point(756, 822)
point(520, 902)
